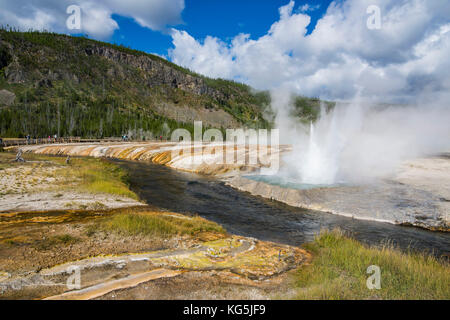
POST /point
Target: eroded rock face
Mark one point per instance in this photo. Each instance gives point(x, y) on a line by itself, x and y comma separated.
point(156, 73)
point(181, 113)
point(14, 73)
point(7, 98)
point(5, 55)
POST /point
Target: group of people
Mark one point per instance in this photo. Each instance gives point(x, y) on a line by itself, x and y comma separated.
point(55, 139)
point(49, 138)
point(34, 139)
point(126, 138)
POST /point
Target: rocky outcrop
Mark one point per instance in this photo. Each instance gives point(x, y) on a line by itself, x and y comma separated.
point(7, 98)
point(155, 72)
point(217, 118)
point(5, 55)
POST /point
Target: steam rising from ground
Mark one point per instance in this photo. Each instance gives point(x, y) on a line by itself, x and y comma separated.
point(357, 142)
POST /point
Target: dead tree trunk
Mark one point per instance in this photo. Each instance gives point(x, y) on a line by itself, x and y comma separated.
point(19, 157)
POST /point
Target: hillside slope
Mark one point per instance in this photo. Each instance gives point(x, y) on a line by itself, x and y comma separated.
point(73, 86)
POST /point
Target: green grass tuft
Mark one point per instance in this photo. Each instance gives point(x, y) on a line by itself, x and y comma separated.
point(158, 225)
point(338, 271)
point(98, 176)
point(49, 243)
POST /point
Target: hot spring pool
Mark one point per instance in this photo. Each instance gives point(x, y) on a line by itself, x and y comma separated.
point(289, 183)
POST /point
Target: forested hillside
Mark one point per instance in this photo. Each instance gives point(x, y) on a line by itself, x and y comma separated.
point(72, 86)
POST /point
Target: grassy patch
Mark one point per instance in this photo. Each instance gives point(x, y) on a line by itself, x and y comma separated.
point(10, 242)
point(339, 266)
point(158, 224)
point(64, 239)
point(98, 176)
point(5, 160)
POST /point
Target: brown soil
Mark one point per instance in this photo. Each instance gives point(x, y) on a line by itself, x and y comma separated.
point(33, 241)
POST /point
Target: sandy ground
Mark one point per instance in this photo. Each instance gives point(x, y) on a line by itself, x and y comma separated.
point(34, 186)
point(63, 200)
point(33, 177)
point(431, 175)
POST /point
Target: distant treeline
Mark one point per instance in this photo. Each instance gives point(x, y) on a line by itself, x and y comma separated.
point(96, 120)
point(107, 118)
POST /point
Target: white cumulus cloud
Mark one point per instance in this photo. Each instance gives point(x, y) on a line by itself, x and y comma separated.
point(341, 57)
point(96, 15)
point(307, 7)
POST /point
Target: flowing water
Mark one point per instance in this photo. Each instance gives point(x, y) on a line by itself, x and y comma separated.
point(246, 215)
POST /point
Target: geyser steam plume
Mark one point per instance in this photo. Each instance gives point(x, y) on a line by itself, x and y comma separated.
point(357, 142)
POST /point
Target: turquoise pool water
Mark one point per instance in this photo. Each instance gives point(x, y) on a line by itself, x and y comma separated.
point(285, 182)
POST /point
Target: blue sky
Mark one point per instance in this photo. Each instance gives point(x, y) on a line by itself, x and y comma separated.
point(218, 18)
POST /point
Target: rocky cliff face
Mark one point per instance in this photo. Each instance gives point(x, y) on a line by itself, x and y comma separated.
point(122, 66)
point(155, 73)
point(7, 98)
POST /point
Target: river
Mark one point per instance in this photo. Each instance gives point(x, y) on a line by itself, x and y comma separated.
point(246, 215)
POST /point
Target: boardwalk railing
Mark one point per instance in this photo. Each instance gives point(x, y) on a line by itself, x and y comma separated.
point(7, 142)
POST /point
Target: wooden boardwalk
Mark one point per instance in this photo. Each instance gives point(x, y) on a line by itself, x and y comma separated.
point(8, 142)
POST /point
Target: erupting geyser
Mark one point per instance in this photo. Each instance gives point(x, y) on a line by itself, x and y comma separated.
point(360, 142)
point(318, 154)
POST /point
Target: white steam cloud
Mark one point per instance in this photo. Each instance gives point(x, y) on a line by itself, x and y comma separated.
point(357, 142)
